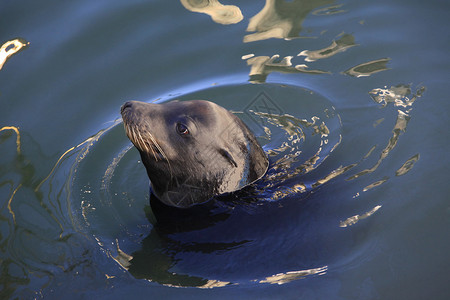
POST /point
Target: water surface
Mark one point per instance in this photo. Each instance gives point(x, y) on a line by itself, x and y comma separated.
point(348, 99)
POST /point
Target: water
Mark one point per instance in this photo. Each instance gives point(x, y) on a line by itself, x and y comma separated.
point(353, 207)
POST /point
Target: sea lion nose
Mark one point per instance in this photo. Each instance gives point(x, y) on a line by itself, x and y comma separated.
point(126, 105)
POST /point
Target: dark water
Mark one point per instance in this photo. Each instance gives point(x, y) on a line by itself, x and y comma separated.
point(355, 205)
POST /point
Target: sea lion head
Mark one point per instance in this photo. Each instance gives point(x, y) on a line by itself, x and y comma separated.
point(193, 150)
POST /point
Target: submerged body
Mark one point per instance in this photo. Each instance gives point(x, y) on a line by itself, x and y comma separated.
point(193, 150)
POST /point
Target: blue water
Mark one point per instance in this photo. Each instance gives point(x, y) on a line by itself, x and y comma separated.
point(348, 99)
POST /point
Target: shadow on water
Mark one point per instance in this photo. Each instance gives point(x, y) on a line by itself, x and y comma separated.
point(159, 250)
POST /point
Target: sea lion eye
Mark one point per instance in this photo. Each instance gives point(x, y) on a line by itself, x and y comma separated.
point(182, 129)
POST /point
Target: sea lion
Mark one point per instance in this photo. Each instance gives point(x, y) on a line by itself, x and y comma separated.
point(193, 150)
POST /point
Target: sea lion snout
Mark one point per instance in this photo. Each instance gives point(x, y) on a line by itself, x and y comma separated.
point(126, 105)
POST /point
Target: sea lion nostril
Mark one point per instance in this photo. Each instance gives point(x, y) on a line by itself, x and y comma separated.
point(125, 106)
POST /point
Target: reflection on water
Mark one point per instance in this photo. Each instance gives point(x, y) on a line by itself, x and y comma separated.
point(375, 184)
point(407, 166)
point(262, 66)
point(384, 96)
point(17, 132)
point(282, 19)
point(283, 278)
point(345, 42)
point(353, 220)
point(368, 68)
point(287, 163)
point(13, 193)
point(396, 94)
point(400, 96)
point(55, 216)
point(11, 47)
point(35, 233)
point(222, 14)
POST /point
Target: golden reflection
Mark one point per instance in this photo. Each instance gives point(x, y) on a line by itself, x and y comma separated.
point(208, 285)
point(16, 130)
point(122, 258)
point(396, 94)
point(287, 191)
point(375, 184)
point(9, 48)
point(345, 42)
point(294, 128)
point(400, 126)
point(262, 66)
point(353, 220)
point(281, 19)
point(399, 96)
point(222, 14)
point(368, 68)
point(333, 174)
point(407, 166)
point(214, 284)
point(10, 201)
point(283, 278)
point(370, 152)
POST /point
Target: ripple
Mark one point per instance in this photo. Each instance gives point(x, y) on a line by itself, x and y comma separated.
point(110, 186)
point(301, 132)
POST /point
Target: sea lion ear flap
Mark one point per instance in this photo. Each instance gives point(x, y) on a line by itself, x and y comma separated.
point(228, 157)
point(259, 162)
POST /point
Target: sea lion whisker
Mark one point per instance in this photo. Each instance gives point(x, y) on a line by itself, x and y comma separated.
point(155, 143)
point(146, 146)
point(135, 136)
